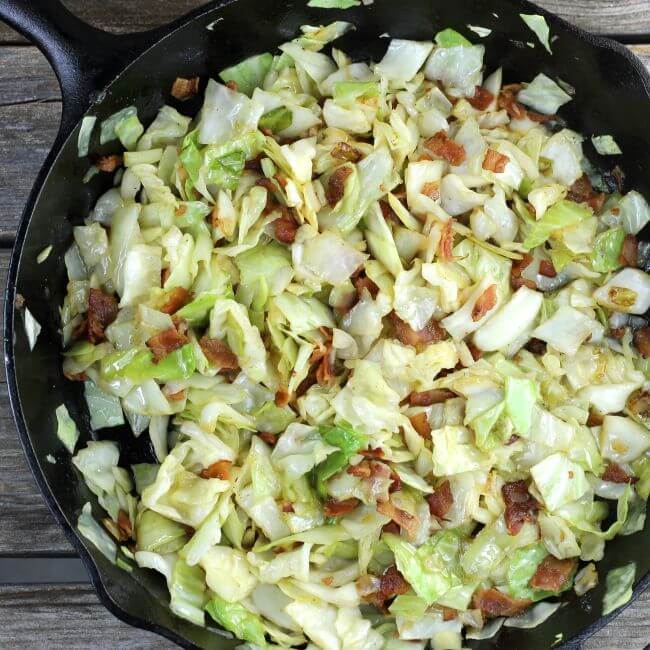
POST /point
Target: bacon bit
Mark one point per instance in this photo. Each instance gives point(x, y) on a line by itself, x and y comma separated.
point(124, 524)
point(254, 164)
point(583, 192)
point(334, 508)
point(518, 266)
point(281, 178)
point(396, 485)
point(360, 470)
point(220, 470)
point(391, 527)
point(219, 354)
point(522, 282)
point(78, 376)
point(446, 243)
point(393, 583)
point(282, 397)
point(495, 162)
point(269, 438)
point(482, 98)
point(287, 507)
point(642, 341)
point(80, 331)
point(431, 190)
point(520, 505)
point(102, 311)
point(617, 332)
point(476, 353)
point(174, 397)
point(345, 151)
point(324, 374)
point(408, 522)
point(442, 147)
point(431, 333)
point(175, 299)
point(552, 574)
point(336, 185)
point(512, 439)
point(232, 84)
point(536, 346)
point(486, 301)
point(108, 163)
point(539, 117)
point(266, 183)
point(429, 397)
point(285, 229)
point(547, 269)
point(629, 252)
point(183, 89)
point(494, 603)
point(372, 453)
point(363, 282)
point(165, 342)
point(388, 213)
point(507, 101)
point(639, 403)
point(441, 500)
point(595, 419)
point(616, 474)
point(420, 423)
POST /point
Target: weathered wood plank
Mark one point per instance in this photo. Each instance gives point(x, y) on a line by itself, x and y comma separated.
point(626, 17)
point(25, 521)
point(66, 616)
point(70, 616)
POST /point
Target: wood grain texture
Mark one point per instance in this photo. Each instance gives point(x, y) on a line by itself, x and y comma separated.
point(622, 17)
point(26, 524)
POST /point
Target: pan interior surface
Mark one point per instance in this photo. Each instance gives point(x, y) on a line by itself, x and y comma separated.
point(611, 98)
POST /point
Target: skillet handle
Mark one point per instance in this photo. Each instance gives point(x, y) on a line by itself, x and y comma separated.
point(84, 58)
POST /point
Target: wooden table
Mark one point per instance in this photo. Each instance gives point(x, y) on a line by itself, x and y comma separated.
point(58, 615)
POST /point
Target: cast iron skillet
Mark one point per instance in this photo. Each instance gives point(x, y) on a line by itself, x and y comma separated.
point(100, 73)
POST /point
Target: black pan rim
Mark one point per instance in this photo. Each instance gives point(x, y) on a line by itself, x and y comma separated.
point(595, 41)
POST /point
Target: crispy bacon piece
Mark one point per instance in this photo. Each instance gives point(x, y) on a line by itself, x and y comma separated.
point(429, 397)
point(616, 474)
point(102, 311)
point(388, 213)
point(507, 101)
point(486, 301)
point(520, 505)
point(287, 506)
point(108, 163)
point(174, 397)
point(476, 353)
point(552, 574)
point(220, 470)
point(446, 243)
point(518, 267)
point(441, 500)
point(522, 282)
point(494, 603)
point(269, 438)
point(639, 403)
point(165, 342)
point(267, 184)
point(547, 269)
point(391, 527)
point(362, 282)
point(583, 192)
point(595, 419)
point(232, 84)
point(482, 98)
point(441, 146)
point(420, 423)
point(495, 162)
point(282, 397)
point(408, 522)
point(361, 470)
point(431, 333)
point(334, 508)
point(372, 453)
point(431, 190)
point(629, 252)
point(536, 346)
point(642, 341)
point(512, 439)
point(336, 185)
point(254, 164)
point(396, 485)
point(124, 524)
point(285, 229)
point(175, 299)
point(219, 354)
point(393, 583)
point(183, 89)
point(345, 151)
